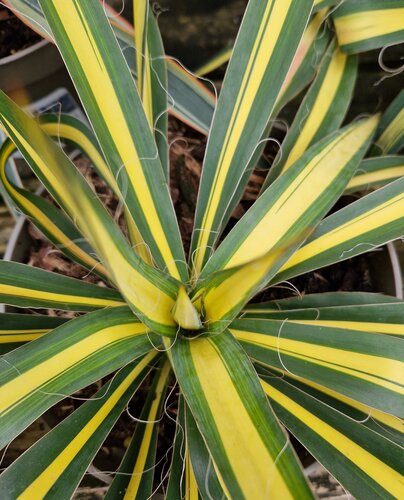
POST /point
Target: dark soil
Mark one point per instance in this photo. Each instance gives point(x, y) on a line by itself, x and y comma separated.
point(14, 34)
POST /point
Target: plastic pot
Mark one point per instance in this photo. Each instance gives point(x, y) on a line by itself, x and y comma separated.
point(34, 72)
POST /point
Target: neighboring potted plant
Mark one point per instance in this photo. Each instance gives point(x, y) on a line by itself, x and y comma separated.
point(320, 365)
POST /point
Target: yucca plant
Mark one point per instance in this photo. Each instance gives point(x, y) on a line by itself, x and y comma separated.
point(326, 367)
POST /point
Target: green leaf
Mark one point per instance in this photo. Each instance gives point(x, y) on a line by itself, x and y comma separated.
point(141, 284)
point(390, 132)
point(72, 131)
point(278, 222)
point(376, 172)
point(51, 221)
point(54, 466)
point(326, 299)
point(362, 365)
point(37, 375)
point(202, 464)
point(105, 85)
point(308, 56)
point(152, 76)
point(176, 484)
point(26, 286)
point(16, 329)
point(378, 316)
point(264, 50)
point(351, 444)
point(321, 111)
point(359, 227)
point(369, 24)
point(134, 478)
point(243, 437)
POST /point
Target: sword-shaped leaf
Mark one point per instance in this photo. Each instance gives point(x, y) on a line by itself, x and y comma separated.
point(26, 286)
point(142, 285)
point(54, 466)
point(321, 111)
point(105, 85)
point(366, 461)
point(134, 478)
point(176, 484)
point(264, 50)
point(364, 366)
point(17, 329)
point(369, 24)
point(202, 464)
point(308, 56)
point(379, 317)
point(376, 172)
point(37, 375)
point(152, 75)
point(243, 437)
point(326, 299)
point(390, 132)
point(278, 222)
point(359, 227)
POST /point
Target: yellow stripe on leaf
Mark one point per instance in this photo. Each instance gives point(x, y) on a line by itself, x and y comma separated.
point(31, 293)
point(191, 487)
point(305, 190)
point(384, 475)
point(374, 178)
point(44, 482)
point(31, 380)
point(41, 217)
point(272, 21)
point(386, 213)
point(152, 417)
point(320, 107)
point(387, 373)
point(360, 26)
point(139, 291)
point(69, 132)
point(388, 328)
point(393, 131)
point(140, 14)
point(106, 99)
point(384, 418)
point(253, 466)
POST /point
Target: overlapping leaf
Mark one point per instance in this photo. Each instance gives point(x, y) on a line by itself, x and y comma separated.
point(353, 445)
point(278, 222)
point(37, 375)
point(26, 286)
point(390, 132)
point(355, 363)
point(142, 285)
point(369, 24)
point(359, 227)
point(321, 111)
point(267, 41)
point(376, 172)
point(134, 478)
point(242, 435)
point(113, 106)
point(192, 102)
point(55, 465)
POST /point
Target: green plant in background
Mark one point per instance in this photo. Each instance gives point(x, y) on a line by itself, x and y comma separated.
point(327, 367)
